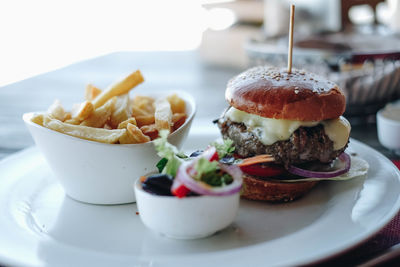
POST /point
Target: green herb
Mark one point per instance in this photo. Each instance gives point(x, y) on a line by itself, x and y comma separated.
point(209, 172)
point(224, 149)
point(206, 171)
point(217, 178)
point(203, 166)
point(161, 164)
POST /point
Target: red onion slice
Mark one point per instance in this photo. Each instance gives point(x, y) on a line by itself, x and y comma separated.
point(205, 189)
point(207, 154)
point(345, 158)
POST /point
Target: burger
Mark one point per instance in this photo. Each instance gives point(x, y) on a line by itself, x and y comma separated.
point(286, 128)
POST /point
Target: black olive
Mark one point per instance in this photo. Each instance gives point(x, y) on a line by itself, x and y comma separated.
point(159, 184)
point(196, 153)
point(227, 160)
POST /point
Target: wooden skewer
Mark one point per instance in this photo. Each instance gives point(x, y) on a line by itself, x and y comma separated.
point(290, 52)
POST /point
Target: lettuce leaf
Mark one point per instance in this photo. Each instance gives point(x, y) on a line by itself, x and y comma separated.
point(225, 148)
point(210, 173)
point(204, 166)
point(171, 156)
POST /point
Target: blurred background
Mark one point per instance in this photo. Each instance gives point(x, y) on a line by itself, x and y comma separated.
point(353, 42)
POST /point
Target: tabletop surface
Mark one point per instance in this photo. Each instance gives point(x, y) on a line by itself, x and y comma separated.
point(162, 70)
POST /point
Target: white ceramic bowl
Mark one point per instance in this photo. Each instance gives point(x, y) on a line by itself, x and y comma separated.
point(388, 131)
point(100, 173)
point(188, 217)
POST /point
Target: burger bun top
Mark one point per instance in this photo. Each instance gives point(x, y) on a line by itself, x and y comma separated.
point(274, 93)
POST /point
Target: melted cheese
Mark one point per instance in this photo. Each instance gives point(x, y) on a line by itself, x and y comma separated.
point(338, 130)
point(270, 130)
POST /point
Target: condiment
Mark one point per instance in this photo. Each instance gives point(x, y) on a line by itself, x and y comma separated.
point(392, 111)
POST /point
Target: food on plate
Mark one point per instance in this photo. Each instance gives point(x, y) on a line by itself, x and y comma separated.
point(88, 133)
point(200, 174)
point(111, 116)
point(91, 92)
point(288, 132)
point(163, 114)
point(190, 197)
point(120, 88)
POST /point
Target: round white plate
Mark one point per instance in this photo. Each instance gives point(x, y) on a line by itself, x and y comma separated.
point(39, 225)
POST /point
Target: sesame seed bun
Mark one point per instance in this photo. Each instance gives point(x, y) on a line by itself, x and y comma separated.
point(274, 93)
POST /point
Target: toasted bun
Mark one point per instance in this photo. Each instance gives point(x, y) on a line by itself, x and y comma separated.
point(257, 189)
point(274, 93)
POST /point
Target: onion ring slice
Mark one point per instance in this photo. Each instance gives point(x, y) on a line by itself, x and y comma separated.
point(345, 158)
point(205, 189)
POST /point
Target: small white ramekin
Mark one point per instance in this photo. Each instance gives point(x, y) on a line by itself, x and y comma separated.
point(388, 131)
point(186, 218)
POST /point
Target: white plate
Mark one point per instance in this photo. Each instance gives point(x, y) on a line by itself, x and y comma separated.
point(39, 225)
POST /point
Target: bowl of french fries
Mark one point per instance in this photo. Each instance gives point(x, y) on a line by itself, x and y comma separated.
point(99, 147)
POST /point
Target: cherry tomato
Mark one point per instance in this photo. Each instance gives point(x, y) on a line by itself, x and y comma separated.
point(210, 153)
point(263, 170)
point(214, 157)
point(180, 191)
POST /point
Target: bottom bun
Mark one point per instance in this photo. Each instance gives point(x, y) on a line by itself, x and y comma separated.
point(257, 189)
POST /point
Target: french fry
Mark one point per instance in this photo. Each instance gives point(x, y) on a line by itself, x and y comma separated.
point(139, 112)
point(144, 120)
point(143, 105)
point(67, 116)
point(136, 120)
point(150, 130)
point(101, 115)
point(73, 121)
point(133, 135)
point(121, 111)
point(56, 110)
point(178, 119)
point(127, 138)
point(84, 132)
point(37, 118)
point(123, 124)
point(91, 92)
point(137, 133)
point(82, 111)
point(177, 104)
point(163, 114)
point(107, 126)
point(119, 88)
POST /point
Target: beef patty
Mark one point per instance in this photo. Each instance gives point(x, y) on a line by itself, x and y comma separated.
point(304, 145)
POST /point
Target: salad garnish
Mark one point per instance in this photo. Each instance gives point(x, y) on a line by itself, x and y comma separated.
point(203, 173)
point(171, 156)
